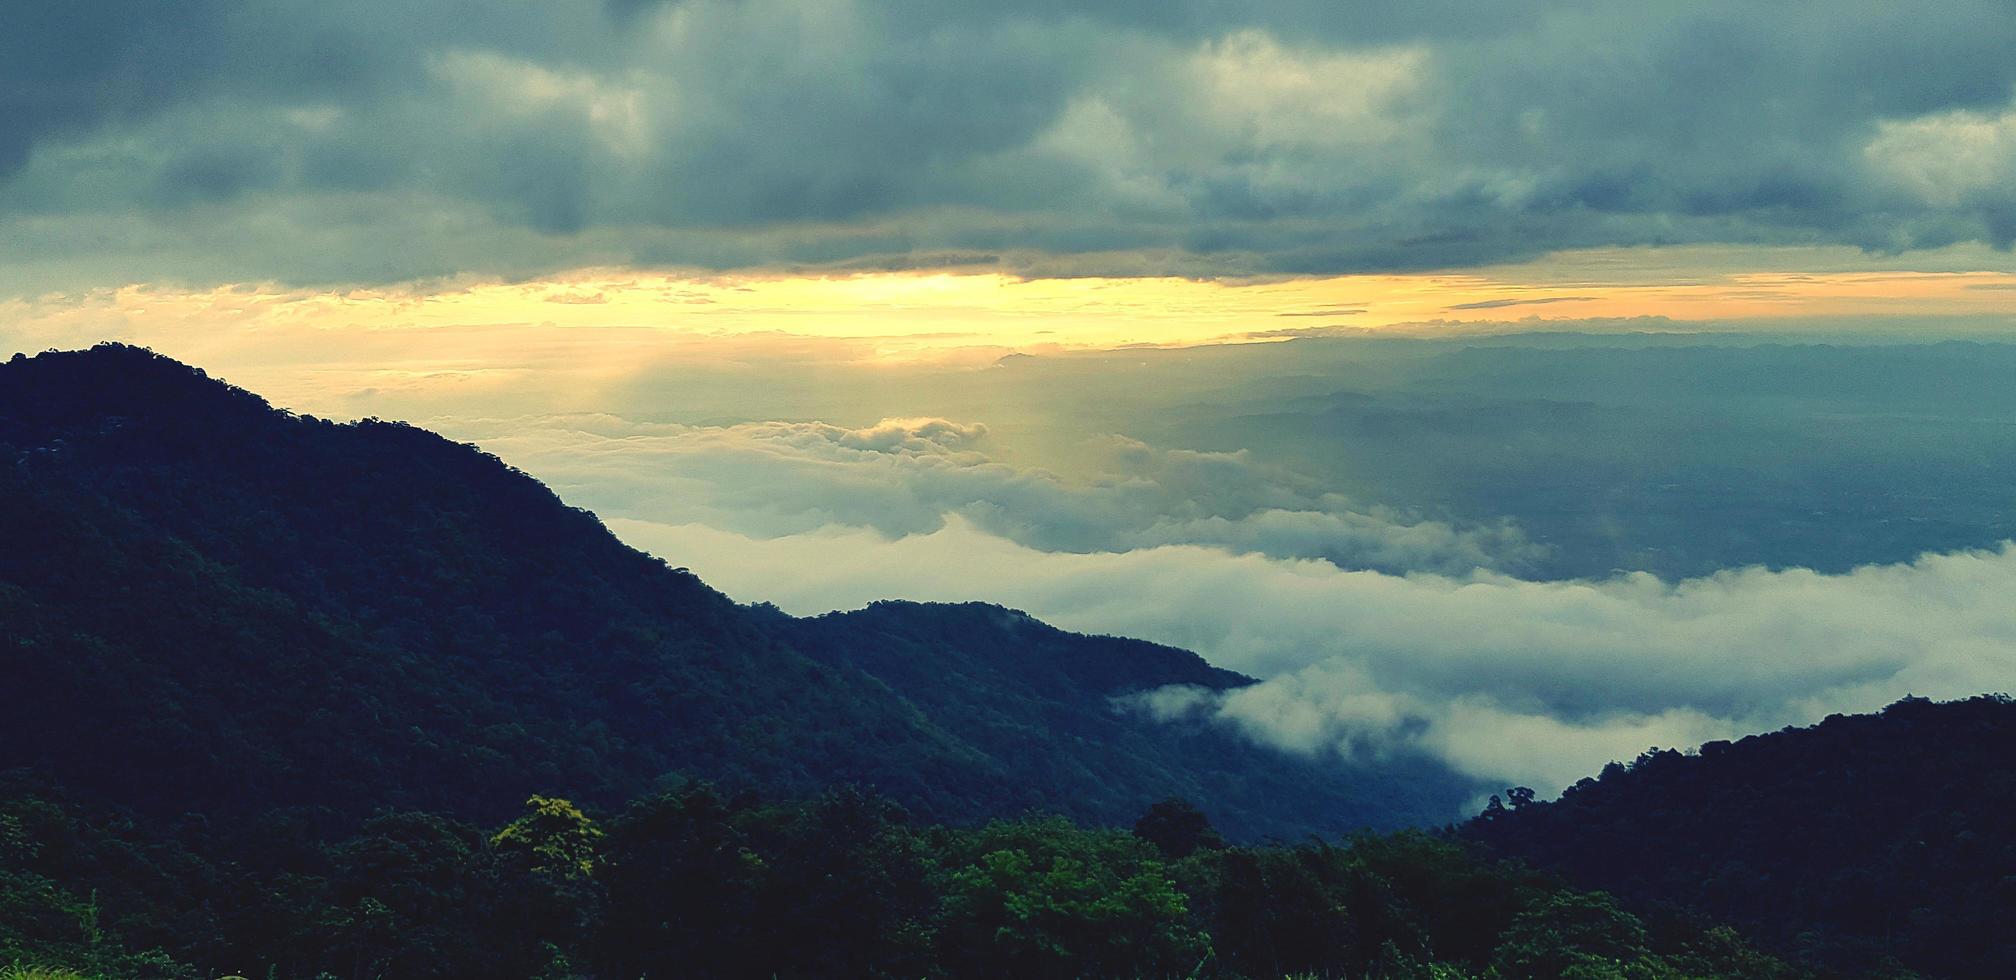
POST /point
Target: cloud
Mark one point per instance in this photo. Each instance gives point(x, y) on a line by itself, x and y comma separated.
point(1308, 333)
point(1494, 304)
point(366, 140)
point(911, 475)
point(1328, 311)
point(1523, 682)
point(1954, 160)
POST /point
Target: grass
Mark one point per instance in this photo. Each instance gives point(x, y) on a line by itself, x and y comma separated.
point(19, 971)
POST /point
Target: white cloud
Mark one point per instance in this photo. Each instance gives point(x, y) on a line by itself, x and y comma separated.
point(908, 475)
point(1524, 682)
point(526, 92)
point(1948, 158)
point(1249, 85)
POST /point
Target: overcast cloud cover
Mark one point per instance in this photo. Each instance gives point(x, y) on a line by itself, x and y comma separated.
point(343, 140)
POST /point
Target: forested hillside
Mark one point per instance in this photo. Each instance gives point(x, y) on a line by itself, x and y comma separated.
point(279, 691)
point(1039, 701)
point(206, 599)
point(695, 883)
point(1861, 840)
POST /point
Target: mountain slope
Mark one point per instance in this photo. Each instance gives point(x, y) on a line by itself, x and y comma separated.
point(213, 605)
point(1040, 701)
point(257, 608)
point(1863, 838)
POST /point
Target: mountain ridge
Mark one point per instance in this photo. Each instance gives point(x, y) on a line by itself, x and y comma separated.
point(338, 609)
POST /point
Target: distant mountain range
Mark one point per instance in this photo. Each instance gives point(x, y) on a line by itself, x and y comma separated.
point(210, 604)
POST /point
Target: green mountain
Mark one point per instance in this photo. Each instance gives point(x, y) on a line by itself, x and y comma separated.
point(1039, 702)
point(209, 604)
point(278, 690)
point(1862, 840)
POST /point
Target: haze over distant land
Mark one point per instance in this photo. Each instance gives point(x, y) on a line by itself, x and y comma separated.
point(1520, 383)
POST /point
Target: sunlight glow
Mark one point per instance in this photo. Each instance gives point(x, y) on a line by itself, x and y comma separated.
point(595, 326)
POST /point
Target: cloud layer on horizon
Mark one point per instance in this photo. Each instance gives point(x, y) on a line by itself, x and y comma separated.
point(909, 476)
point(1523, 682)
point(362, 140)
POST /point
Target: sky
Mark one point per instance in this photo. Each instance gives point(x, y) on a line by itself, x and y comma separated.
point(1530, 382)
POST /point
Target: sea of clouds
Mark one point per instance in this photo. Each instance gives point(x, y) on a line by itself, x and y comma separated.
point(1371, 631)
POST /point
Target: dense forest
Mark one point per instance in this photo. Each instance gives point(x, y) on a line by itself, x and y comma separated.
point(1867, 845)
point(1870, 846)
point(697, 883)
point(292, 698)
point(1862, 839)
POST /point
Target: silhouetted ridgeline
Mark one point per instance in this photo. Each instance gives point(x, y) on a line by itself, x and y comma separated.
point(1861, 839)
point(292, 698)
point(226, 607)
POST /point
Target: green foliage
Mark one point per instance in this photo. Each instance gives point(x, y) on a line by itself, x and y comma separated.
point(553, 837)
point(1043, 898)
point(695, 883)
point(19, 971)
point(1576, 935)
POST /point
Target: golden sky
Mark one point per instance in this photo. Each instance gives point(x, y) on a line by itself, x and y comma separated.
point(596, 325)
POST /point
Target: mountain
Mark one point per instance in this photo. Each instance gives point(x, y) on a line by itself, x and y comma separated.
point(1039, 702)
point(1862, 839)
point(243, 648)
point(210, 604)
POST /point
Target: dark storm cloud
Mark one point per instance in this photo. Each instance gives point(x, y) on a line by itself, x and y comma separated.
point(363, 139)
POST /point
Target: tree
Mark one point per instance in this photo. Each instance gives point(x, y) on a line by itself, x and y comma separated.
point(683, 877)
point(1579, 934)
point(1043, 898)
point(552, 854)
point(554, 837)
point(1177, 829)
